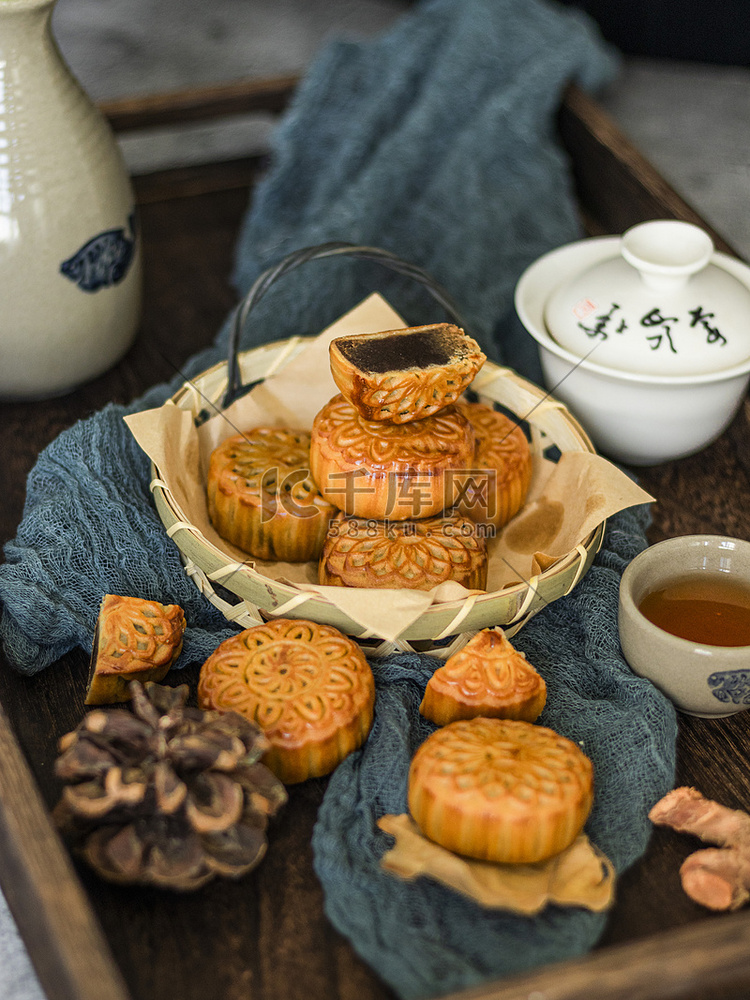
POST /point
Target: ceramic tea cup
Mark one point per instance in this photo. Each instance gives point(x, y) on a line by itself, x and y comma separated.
point(700, 678)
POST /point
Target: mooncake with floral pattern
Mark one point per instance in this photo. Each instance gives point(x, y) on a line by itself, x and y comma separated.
point(418, 555)
point(488, 677)
point(389, 471)
point(262, 498)
point(500, 790)
point(135, 639)
point(402, 375)
point(495, 489)
point(308, 687)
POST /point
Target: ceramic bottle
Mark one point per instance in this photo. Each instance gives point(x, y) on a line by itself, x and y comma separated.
point(70, 268)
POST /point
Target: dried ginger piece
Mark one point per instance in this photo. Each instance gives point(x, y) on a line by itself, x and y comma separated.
point(717, 878)
point(578, 876)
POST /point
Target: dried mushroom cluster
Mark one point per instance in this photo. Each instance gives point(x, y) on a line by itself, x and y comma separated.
point(166, 795)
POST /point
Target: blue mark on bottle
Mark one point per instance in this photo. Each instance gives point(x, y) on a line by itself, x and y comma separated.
point(731, 686)
point(104, 260)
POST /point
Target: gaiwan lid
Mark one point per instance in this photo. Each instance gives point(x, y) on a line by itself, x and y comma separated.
point(662, 305)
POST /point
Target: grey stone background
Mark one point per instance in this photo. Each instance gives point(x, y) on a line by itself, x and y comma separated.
point(689, 118)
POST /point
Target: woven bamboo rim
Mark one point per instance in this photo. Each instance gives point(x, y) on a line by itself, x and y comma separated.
point(443, 628)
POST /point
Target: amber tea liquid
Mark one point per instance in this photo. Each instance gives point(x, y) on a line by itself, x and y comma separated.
point(702, 608)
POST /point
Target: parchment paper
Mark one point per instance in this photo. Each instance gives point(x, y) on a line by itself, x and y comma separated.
point(579, 876)
point(566, 500)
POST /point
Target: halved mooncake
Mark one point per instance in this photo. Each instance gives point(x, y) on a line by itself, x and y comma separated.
point(262, 498)
point(495, 489)
point(500, 790)
point(135, 639)
point(389, 471)
point(488, 677)
point(308, 687)
point(403, 554)
point(403, 375)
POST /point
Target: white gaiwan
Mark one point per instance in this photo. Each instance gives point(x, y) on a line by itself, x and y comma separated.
point(646, 337)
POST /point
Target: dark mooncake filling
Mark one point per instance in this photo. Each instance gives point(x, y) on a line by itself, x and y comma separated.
point(397, 351)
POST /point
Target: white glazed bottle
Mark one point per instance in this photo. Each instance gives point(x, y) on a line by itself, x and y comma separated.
point(70, 267)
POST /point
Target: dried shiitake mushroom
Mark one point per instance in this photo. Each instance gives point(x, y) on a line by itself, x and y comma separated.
point(165, 794)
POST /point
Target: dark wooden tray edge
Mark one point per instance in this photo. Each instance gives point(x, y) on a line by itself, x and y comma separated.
point(68, 949)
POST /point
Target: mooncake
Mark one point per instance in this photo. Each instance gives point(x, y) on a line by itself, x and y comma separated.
point(262, 498)
point(403, 554)
point(135, 639)
point(389, 471)
point(308, 687)
point(487, 677)
point(495, 489)
point(402, 375)
point(500, 790)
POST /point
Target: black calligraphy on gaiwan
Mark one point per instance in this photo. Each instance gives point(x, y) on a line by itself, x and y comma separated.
point(654, 318)
point(602, 322)
point(658, 322)
point(104, 260)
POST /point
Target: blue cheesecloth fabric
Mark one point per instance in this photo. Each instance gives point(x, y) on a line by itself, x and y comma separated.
point(435, 141)
point(426, 940)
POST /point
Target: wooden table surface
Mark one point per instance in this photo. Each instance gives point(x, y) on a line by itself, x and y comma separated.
point(275, 942)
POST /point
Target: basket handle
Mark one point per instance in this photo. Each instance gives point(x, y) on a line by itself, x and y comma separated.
point(235, 388)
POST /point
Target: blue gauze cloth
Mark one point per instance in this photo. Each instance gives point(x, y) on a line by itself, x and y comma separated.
point(425, 939)
point(435, 141)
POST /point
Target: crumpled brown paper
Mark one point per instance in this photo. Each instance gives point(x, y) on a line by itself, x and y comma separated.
point(579, 876)
point(566, 500)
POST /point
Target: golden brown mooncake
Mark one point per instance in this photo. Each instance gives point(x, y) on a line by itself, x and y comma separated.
point(500, 790)
point(135, 639)
point(389, 471)
point(403, 554)
point(488, 677)
point(308, 687)
point(496, 489)
point(403, 375)
point(262, 498)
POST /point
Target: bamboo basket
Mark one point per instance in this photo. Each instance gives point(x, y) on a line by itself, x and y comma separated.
point(246, 597)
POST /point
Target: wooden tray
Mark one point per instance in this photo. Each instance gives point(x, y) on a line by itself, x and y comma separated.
point(266, 937)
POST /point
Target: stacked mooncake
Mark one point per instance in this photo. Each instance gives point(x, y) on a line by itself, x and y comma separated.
point(400, 482)
point(412, 469)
